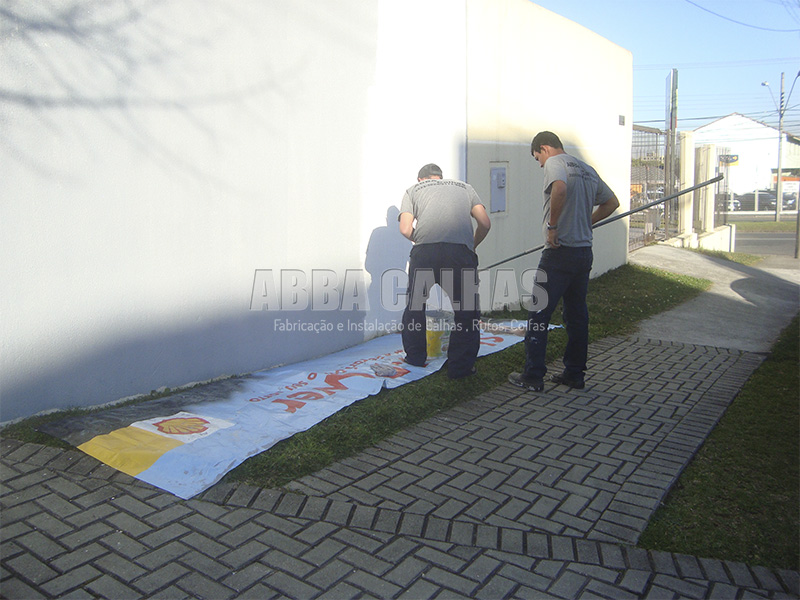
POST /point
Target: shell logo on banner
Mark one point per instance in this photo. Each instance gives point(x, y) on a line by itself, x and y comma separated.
point(183, 427)
point(135, 448)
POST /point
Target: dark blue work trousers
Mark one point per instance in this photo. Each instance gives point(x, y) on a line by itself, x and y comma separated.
point(455, 268)
point(567, 269)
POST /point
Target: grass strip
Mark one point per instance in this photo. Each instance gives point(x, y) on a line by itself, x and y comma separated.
point(787, 225)
point(738, 257)
point(738, 499)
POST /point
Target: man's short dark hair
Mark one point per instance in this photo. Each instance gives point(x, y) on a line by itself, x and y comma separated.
point(545, 138)
point(428, 171)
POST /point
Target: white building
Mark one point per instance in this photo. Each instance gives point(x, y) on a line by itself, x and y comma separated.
point(158, 160)
point(756, 145)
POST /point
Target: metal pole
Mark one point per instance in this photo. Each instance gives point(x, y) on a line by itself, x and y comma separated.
point(779, 188)
point(670, 158)
point(797, 198)
point(615, 218)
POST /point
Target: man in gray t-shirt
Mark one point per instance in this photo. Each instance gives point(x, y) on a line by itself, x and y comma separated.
point(575, 198)
point(584, 191)
point(443, 253)
point(443, 211)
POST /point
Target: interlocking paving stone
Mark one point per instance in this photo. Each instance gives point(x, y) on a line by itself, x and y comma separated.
point(161, 578)
point(71, 580)
point(511, 495)
point(164, 555)
point(200, 586)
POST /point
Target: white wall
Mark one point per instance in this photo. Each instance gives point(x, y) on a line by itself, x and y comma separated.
point(154, 159)
point(531, 70)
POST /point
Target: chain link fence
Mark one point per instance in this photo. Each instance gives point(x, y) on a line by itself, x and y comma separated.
point(649, 182)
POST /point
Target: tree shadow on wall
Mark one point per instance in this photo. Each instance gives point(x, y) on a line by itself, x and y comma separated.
point(121, 63)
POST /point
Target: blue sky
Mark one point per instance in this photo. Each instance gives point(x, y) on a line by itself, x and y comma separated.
point(721, 58)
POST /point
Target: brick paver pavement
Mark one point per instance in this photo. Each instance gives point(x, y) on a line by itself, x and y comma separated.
point(511, 495)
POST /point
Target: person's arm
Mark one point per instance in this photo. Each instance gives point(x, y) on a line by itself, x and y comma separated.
point(605, 209)
point(407, 225)
point(478, 213)
point(558, 196)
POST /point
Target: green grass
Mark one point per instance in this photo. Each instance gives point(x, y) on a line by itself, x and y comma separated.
point(788, 224)
point(738, 499)
point(737, 257)
point(26, 430)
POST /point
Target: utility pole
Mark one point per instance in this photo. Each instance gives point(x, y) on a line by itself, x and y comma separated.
point(779, 188)
point(670, 151)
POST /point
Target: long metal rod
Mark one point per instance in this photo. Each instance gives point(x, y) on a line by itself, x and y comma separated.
point(616, 217)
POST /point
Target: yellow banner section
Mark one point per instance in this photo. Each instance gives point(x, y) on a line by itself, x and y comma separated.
point(130, 449)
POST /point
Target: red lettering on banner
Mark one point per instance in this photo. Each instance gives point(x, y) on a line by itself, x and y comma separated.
point(291, 405)
point(264, 397)
point(333, 380)
point(491, 340)
point(308, 395)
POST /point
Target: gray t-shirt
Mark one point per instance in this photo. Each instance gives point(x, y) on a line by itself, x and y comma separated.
point(585, 190)
point(442, 208)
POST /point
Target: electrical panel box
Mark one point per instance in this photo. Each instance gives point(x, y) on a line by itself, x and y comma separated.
point(498, 187)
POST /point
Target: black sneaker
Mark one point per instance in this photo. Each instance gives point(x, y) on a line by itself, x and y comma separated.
point(576, 383)
point(535, 384)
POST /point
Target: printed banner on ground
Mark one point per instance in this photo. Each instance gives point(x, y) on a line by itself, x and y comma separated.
point(186, 451)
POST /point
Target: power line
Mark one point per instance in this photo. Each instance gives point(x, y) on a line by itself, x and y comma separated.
point(787, 126)
point(719, 65)
point(755, 116)
point(739, 22)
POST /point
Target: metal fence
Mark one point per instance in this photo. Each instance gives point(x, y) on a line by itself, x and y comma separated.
point(649, 181)
point(647, 184)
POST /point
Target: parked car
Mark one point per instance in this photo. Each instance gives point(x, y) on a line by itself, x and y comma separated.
point(766, 200)
point(728, 202)
point(789, 202)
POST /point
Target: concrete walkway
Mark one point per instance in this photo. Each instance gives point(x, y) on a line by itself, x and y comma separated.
point(745, 309)
point(511, 495)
